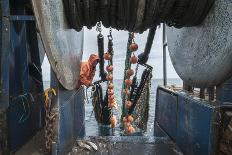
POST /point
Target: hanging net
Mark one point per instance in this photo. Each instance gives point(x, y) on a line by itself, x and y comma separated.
point(141, 109)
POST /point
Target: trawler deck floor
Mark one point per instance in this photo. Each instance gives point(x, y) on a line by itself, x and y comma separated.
point(129, 145)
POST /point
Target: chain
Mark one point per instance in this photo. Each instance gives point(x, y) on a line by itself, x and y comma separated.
point(110, 34)
point(98, 28)
point(49, 123)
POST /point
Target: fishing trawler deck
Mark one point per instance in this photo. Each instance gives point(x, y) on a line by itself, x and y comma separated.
point(129, 145)
point(116, 145)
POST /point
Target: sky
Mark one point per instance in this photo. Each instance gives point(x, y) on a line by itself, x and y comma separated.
point(120, 44)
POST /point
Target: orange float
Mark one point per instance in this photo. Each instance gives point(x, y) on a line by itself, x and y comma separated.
point(134, 47)
point(130, 129)
point(126, 124)
point(128, 82)
point(129, 72)
point(112, 105)
point(109, 77)
point(110, 86)
point(111, 97)
point(107, 56)
point(110, 92)
point(111, 100)
point(130, 118)
point(113, 121)
point(128, 104)
point(124, 119)
point(126, 91)
point(134, 59)
point(109, 68)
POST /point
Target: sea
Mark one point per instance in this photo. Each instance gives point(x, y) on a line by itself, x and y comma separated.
point(95, 129)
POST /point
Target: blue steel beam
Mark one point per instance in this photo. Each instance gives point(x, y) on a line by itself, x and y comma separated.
point(224, 91)
point(71, 109)
point(5, 55)
point(19, 50)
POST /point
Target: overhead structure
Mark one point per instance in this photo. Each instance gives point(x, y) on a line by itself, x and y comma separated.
point(135, 15)
point(63, 45)
point(202, 55)
point(201, 50)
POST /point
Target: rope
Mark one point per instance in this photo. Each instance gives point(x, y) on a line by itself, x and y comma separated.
point(136, 15)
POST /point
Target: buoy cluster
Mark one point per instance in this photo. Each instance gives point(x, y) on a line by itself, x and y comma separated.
point(128, 120)
point(112, 103)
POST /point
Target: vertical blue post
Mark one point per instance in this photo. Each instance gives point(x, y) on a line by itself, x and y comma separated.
point(21, 88)
point(164, 55)
point(5, 54)
point(4, 73)
point(224, 92)
point(71, 108)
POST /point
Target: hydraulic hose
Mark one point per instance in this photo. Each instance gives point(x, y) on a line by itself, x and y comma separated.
point(143, 57)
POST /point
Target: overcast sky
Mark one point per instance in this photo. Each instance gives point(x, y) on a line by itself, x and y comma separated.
point(120, 43)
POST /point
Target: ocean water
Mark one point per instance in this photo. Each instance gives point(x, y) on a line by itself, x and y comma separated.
point(94, 129)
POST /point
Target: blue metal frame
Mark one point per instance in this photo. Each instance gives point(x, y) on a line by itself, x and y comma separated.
point(192, 123)
point(166, 112)
point(71, 122)
point(21, 86)
point(5, 55)
point(224, 92)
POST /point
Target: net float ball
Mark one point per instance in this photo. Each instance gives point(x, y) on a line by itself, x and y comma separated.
point(133, 59)
point(109, 77)
point(129, 72)
point(111, 100)
point(110, 92)
point(128, 104)
point(130, 130)
point(111, 97)
point(130, 119)
point(111, 105)
point(126, 124)
point(110, 86)
point(124, 119)
point(128, 82)
point(113, 121)
point(115, 105)
point(109, 68)
point(134, 47)
point(107, 56)
point(126, 91)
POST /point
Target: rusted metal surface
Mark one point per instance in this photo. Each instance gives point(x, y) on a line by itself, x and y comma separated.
point(202, 55)
point(63, 46)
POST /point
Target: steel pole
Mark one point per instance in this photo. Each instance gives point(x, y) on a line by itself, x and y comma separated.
point(164, 56)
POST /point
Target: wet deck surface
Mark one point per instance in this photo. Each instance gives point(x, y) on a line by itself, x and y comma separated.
point(128, 145)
